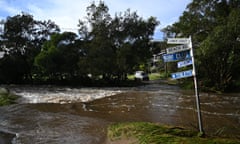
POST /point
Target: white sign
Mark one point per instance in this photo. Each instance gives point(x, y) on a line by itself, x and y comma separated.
point(184, 63)
point(177, 48)
point(2, 54)
point(178, 41)
point(182, 74)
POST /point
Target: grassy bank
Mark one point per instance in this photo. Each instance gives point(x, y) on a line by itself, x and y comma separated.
point(149, 133)
point(152, 76)
point(6, 98)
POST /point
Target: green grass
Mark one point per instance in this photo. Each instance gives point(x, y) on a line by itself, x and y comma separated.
point(7, 98)
point(149, 133)
point(152, 76)
point(130, 77)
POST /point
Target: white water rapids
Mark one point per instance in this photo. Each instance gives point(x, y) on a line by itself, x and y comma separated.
point(62, 95)
point(60, 115)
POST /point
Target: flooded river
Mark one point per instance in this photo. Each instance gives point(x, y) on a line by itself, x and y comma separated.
point(60, 115)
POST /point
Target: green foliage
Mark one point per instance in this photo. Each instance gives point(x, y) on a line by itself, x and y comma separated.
point(21, 41)
point(116, 45)
point(220, 51)
point(6, 98)
point(108, 47)
point(59, 56)
point(154, 76)
point(147, 133)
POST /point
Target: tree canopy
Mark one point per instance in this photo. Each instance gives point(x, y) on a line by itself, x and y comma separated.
point(116, 45)
point(21, 41)
point(106, 47)
point(110, 47)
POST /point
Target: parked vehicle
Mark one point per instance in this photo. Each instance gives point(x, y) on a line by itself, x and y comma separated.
point(141, 75)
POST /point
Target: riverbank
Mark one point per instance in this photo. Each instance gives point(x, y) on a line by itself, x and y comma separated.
point(6, 97)
point(42, 112)
point(143, 132)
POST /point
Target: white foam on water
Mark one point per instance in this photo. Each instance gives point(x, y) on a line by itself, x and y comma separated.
point(61, 95)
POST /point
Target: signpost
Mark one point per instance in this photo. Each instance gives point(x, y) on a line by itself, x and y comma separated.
point(196, 90)
point(176, 56)
point(184, 63)
point(177, 49)
point(182, 74)
point(182, 53)
point(178, 41)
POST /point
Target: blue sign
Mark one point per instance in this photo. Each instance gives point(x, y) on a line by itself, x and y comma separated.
point(176, 56)
point(182, 74)
point(184, 63)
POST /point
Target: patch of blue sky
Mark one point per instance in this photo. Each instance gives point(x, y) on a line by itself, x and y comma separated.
point(66, 13)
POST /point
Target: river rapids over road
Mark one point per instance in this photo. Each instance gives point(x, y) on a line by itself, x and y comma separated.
point(60, 115)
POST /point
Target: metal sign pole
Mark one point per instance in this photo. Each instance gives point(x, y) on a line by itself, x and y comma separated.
point(196, 89)
point(172, 56)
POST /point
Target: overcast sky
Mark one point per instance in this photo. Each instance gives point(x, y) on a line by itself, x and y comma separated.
point(66, 13)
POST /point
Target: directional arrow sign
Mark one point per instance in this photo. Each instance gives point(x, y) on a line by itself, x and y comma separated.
point(177, 48)
point(176, 56)
point(182, 74)
point(178, 41)
point(184, 63)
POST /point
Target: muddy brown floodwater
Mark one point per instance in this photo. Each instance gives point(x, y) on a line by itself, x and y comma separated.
point(60, 115)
